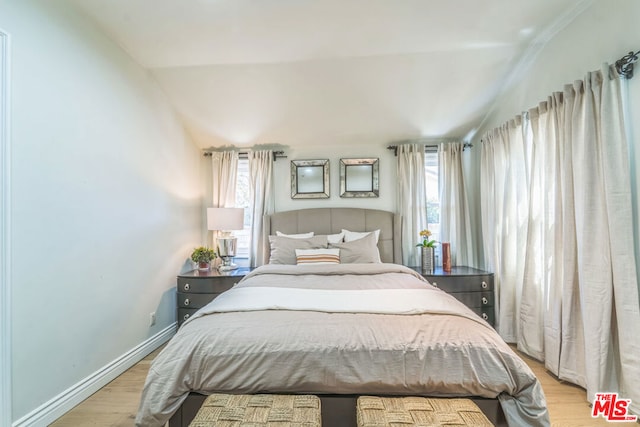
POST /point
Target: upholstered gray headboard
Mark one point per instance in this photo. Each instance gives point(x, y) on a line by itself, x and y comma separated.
point(333, 220)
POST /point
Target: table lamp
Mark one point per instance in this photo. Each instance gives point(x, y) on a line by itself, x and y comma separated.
point(225, 220)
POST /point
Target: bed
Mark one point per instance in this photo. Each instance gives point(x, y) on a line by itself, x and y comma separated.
point(364, 326)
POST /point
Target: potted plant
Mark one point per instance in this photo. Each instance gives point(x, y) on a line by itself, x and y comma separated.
point(203, 256)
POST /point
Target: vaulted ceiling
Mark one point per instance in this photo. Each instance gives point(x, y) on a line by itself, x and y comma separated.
point(303, 72)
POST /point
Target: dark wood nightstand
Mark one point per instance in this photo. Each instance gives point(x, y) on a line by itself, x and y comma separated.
point(473, 287)
point(198, 288)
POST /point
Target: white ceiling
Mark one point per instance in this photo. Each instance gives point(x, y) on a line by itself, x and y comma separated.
point(303, 72)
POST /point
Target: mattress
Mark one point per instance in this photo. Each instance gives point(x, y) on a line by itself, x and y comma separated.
point(375, 329)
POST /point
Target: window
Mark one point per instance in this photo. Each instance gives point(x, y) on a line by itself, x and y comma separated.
point(243, 200)
point(432, 172)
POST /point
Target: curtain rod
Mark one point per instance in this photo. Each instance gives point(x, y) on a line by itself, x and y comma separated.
point(624, 65)
point(426, 147)
point(244, 154)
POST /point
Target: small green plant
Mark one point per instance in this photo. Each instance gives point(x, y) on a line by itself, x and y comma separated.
point(424, 235)
point(202, 254)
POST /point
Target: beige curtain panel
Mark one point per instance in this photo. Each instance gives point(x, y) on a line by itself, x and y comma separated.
point(411, 199)
point(455, 218)
point(224, 171)
point(263, 196)
point(557, 221)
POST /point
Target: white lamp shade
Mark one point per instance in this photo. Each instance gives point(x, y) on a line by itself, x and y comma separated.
point(225, 219)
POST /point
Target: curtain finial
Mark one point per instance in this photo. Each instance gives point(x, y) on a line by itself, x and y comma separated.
point(624, 65)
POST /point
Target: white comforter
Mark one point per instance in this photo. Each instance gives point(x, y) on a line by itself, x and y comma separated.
point(357, 329)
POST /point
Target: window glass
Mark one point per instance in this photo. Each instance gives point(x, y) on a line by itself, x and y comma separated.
point(431, 169)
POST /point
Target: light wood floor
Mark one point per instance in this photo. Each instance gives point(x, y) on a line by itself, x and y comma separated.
point(115, 404)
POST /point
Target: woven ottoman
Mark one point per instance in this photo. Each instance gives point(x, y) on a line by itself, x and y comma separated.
point(376, 411)
point(258, 410)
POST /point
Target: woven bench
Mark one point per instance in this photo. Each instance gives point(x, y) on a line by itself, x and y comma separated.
point(373, 411)
point(258, 410)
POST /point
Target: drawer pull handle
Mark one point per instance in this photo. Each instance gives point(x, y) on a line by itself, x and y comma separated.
point(186, 316)
point(186, 301)
point(484, 316)
point(485, 301)
point(484, 285)
point(186, 287)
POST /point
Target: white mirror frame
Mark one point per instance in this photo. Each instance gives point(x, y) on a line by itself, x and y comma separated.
point(317, 186)
point(358, 190)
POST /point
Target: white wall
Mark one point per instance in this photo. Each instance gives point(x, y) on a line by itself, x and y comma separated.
point(603, 33)
point(5, 220)
point(335, 152)
point(106, 201)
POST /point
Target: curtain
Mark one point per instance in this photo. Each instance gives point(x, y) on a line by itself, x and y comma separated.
point(224, 173)
point(224, 168)
point(606, 273)
point(504, 202)
point(412, 199)
point(542, 294)
point(262, 194)
point(578, 308)
point(455, 219)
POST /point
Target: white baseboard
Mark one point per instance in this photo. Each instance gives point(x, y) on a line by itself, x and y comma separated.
point(50, 411)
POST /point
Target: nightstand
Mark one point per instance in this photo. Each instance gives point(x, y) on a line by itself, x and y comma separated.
point(472, 287)
point(198, 288)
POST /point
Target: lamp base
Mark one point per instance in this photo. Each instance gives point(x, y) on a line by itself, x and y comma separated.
point(227, 267)
point(227, 263)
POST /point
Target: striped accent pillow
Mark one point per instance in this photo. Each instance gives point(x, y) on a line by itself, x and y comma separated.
point(318, 256)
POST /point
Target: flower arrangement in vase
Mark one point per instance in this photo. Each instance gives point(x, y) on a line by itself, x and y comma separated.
point(427, 255)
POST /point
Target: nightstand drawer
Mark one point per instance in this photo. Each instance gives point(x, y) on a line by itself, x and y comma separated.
point(194, 300)
point(487, 313)
point(185, 313)
point(461, 283)
point(474, 299)
point(206, 285)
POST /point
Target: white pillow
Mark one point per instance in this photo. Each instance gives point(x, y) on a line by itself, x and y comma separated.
point(350, 236)
point(295, 236)
point(317, 256)
point(336, 238)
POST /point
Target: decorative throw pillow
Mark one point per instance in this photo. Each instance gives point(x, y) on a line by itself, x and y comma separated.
point(295, 236)
point(363, 250)
point(283, 249)
point(318, 256)
point(350, 236)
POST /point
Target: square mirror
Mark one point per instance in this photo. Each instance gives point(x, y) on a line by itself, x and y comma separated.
point(310, 179)
point(359, 178)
